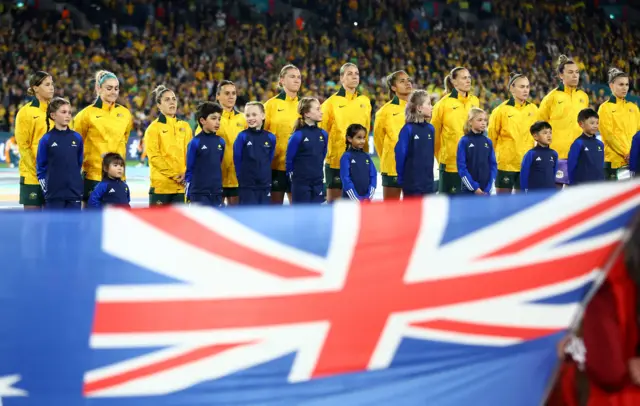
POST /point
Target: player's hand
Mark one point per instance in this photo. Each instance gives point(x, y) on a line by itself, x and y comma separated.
point(179, 178)
point(478, 191)
point(626, 158)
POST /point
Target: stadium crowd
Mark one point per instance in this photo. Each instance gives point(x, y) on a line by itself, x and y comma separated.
point(190, 50)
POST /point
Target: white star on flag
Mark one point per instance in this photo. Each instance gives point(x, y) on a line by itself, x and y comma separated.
point(7, 389)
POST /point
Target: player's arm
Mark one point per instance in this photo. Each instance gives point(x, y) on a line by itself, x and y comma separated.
point(95, 199)
point(152, 141)
point(347, 184)
point(401, 152)
point(572, 159)
point(495, 124)
point(24, 137)
point(292, 150)
point(42, 161)
point(379, 131)
point(80, 150)
point(525, 167)
point(273, 146)
point(619, 145)
point(494, 168)
point(437, 121)
point(192, 151)
point(373, 179)
point(237, 152)
point(326, 144)
point(467, 180)
point(544, 111)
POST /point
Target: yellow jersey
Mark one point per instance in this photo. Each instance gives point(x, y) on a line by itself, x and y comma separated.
point(560, 108)
point(450, 114)
point(619, 122)
point(103, 129)
point(231, 123)
point(338, 112)
point(166, 140)
point(31, 125)
point(387, 124)
point(281, 113)
point(508, 130)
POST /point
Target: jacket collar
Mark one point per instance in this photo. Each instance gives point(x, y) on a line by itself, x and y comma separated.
point(165, 120)
point(283, 96)
point(512, 102)
point(613, 99)
point(343, 93)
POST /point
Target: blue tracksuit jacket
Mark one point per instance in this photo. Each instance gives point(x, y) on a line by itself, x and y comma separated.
point(204, 165)
point(111, 192)
point(253, 152)
point(538, 169)
point(585, 162)
point(476, 161)
point(358, 174)
point(414, 158)
point(59, 165)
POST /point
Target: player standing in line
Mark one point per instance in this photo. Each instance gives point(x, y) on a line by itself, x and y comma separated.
point(281, 113)
point(414, 150)
point(231, 123)
point(619, 122)
point(167, 138)
point(31, 125)
point(386, 127)
point(560, 108)
point(476, 159)
point(112, 190)
point(539, 166)
point(306, 152)
point(357, 171)
point(253, 153)
point(450, 114)
point(105, 127)
point(205, 154)
point(586, 155)
point(59, 159)
point(509, 127)
point(339, 111)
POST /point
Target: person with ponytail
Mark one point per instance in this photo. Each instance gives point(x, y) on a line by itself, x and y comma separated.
point(105, 127)
point(619, 123)
point(232, 123)
point(281, 113)
point(560, 108)
point(450, 115)
point(167, 138)
point(306, 152)
point(508, 130)
point(339, 111)
point(387, 124)
point(31, 125)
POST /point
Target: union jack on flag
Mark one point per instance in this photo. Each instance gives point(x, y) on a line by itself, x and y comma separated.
point(445, 301)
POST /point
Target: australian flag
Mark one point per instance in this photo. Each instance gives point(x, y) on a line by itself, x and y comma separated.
point(436, 301)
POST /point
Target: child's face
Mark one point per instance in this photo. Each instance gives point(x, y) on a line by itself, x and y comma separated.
point(479, 123)
point(254, 116)
point(590, 126)
point(314, 113)
point(62, 117)
point(211, 124)
point(116, 170)
point(425, 109)
point(543, 138)
point(358, 140)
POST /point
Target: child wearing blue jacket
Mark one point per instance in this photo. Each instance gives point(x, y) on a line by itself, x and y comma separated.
point(540, 164)
point(306, 152)
point(357, 171)
point(204, 158)
point(59, 160)
point(112, 190)
point(585, 162)
point(253, 152)
point(415, 147)
point(476, 158)
point(634, 155)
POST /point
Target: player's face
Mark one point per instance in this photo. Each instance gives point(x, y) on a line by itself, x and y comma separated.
point(314, 113)
point(350, 78)
point(62, 116)
point(620, 87)
point(254, 116)
point(228, 96)
point(212, 123)
point(520, 89)
point(116, 170)
point(425, 109)
point(403, 85)
point(292, 80)
point(544, 137)
point(462, 81)
point(45, 89)
point(590, 126)
point(479, 123)
point(110, 90)
point(358, 140)
point(168, 103)
point(571, 75)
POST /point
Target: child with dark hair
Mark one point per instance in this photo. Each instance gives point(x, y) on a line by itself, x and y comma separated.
point(357, 171)
point(586, 155)
point(59, 159)
point(204, 158)
point(540, 164)
point(112, 190)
